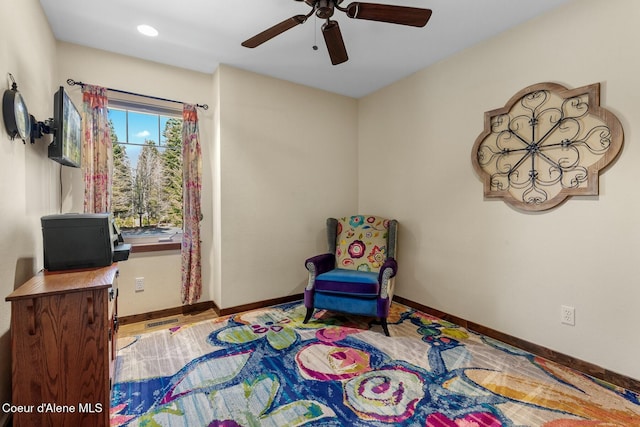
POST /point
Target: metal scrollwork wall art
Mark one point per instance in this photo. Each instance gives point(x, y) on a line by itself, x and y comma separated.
point(546, 144)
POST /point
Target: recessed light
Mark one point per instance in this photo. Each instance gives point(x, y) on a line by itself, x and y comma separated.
point(147, 30)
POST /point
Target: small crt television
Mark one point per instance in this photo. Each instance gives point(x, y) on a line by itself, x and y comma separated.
point(74, 241)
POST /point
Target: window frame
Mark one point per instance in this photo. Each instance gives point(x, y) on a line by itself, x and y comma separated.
point(132, 103)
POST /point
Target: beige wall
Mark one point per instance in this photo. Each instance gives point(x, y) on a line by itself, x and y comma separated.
point(279, 158)
point(28, 180)
point(266, 176)
point(162, 271)
point(288, 160)
point(214, 165)
point(265, 170)
point(482, 260)
point(162, 276)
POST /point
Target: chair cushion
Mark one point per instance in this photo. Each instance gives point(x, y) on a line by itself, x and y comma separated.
point(345, 281)
point(345, 303)
point(362, 242)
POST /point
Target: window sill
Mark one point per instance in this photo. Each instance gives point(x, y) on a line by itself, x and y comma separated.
point(155, 247)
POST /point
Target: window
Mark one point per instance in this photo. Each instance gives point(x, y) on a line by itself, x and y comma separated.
point(147, 170)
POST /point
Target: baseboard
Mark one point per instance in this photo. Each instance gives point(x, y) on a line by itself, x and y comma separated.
point(260, 304)
point(563, 359)
point(167, 312)
point(203, 306)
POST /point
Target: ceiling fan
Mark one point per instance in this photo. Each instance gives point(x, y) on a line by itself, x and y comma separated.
point(324, 9)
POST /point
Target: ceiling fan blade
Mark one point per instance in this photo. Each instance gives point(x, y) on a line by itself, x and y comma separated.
point(277, 29)
point(335, 43)
point(402, 15)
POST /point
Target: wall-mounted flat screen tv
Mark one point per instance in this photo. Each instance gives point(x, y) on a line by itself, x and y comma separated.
point(66, 146)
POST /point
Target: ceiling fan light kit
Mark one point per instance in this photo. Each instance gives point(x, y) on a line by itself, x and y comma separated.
point(324, 9)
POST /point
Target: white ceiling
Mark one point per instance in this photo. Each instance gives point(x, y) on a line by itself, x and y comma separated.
point(201, 34)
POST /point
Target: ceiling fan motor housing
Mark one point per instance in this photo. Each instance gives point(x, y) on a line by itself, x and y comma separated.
point(313, 3)
point(324, 8)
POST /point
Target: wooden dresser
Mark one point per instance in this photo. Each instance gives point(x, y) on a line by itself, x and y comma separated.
point(63, 334)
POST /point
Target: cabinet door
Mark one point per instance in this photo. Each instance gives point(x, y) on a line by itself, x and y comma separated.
point(60, 357)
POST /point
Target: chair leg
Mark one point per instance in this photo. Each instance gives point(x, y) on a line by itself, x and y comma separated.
point(385, 328)
point(308, 316)
point(382, 322)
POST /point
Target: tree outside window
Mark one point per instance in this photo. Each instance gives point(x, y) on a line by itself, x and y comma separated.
point(147, 176)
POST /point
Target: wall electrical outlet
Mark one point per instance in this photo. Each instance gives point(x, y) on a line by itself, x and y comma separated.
point(568, 315)
point(139, 286)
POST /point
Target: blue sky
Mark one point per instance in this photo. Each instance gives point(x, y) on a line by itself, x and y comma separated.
point(141, 127)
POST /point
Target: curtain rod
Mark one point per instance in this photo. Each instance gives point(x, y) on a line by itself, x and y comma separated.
point(72, 82)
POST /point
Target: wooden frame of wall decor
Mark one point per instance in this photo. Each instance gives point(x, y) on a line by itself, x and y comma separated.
point(546, 144)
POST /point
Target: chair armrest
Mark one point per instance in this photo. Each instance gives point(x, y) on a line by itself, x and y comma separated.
point(388, 270)
point(320, 263)
point(317, 265)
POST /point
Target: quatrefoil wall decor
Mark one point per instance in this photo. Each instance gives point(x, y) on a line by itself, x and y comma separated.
point(546, 144)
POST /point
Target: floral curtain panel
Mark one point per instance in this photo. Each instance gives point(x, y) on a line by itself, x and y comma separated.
point(192, 213)
point(97, 152)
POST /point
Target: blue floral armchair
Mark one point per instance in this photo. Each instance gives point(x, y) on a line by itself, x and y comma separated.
point(357, 275)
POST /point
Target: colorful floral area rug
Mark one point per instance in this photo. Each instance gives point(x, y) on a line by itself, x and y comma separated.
point(267, 368)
